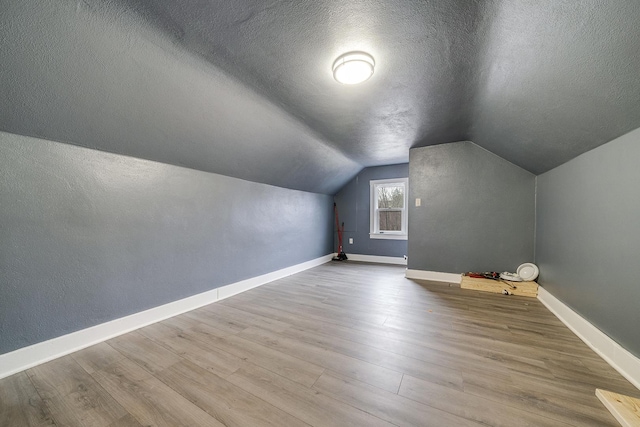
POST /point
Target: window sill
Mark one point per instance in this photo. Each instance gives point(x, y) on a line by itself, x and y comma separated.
point(387, 236)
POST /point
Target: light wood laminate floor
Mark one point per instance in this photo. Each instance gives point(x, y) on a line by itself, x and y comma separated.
point(343, 344)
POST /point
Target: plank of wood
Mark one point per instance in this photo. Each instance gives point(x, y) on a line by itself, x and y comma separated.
point(525, 289)
point(310, 406)
point(293, 368)
point(551, 403)
point(228, 403)
point(203, 354)
point(180, 323)
point(97, 357)
point(378, 376)
point(160, 331)
point(252, 319)
point(379, 357)
point(148, 399)
point(73, 396)
point(389, 406)
point(227, 325)
point(470, 406)
point(625, 409)
point(20, 404)
point(313, 309)
point(126, 421)
point(146, 353)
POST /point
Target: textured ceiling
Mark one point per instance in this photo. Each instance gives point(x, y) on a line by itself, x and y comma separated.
point(557, 78)
point(244, 87)
point(423, 83)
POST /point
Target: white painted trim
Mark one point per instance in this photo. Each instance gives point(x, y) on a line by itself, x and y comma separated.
point(388, 236)
point(377, 259)
point(613, 353)
point(434, 276)
point(373, 206)
point(27, 357)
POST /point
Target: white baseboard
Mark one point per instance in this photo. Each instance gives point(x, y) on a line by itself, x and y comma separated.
point(434, 276)
point(377, 259)
point(613, 353)
point(27, 357)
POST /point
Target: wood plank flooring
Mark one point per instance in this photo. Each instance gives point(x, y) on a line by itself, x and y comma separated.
point(343, 344)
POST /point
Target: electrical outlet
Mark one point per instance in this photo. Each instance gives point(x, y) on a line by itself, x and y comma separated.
point(351, 240)
point(418, 201)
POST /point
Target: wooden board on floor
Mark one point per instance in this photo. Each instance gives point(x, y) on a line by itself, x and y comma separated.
point(625, 409)
point(525, 289)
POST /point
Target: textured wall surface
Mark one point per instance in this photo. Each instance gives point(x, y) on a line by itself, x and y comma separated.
point(477, 210)
point(89, 74)
point(587, 232)
point(353, 205)
point(89, 236)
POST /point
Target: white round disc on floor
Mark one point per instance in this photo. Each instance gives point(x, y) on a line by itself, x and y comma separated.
point(528, 271)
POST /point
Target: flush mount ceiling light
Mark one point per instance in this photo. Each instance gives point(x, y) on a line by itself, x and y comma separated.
point(353, 68)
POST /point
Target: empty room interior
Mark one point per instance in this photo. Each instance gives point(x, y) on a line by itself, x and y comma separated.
point(265, 213)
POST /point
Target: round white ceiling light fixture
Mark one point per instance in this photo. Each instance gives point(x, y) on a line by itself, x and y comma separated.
point(353, 68)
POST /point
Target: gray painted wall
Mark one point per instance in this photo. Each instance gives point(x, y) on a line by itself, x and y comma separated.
point(353, 206)
point(88, 236)
point(587, 243)
point(462, 224)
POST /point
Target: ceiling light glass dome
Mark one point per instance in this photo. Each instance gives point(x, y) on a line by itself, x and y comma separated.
point(353, 68)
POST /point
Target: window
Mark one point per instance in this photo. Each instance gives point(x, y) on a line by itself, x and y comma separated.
point(389, 209)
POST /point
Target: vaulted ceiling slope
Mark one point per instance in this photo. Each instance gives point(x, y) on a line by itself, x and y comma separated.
point(90, 74)
point(244, 87)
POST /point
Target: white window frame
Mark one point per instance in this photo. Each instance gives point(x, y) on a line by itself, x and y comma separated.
point(374, 231)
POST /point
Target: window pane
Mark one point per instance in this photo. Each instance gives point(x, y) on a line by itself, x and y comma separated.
point(390, 220)
point(391, 197)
